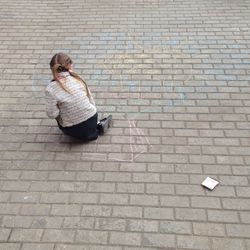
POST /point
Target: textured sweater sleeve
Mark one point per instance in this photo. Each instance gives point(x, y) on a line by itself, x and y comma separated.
point(51, 105)
point(91, 99)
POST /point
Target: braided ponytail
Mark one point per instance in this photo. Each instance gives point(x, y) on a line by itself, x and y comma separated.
point(73, 74)
point(61, 62)
point(56, 68)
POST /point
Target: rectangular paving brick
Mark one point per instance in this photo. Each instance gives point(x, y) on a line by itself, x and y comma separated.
point(117, 199)
point(21, 235)
point(125, 211)
point(34, 209)
point(193, 242)
point(223, 216)
point(209, 229)
point(158, 213)
point(12, 221)
point(11, 246)
point(227, 243)
point(113, 224)
point(205, 202)
point(94, 210)
point(78, 223)
point(65, 210)
point(129, 239)
point(142, 225)
point(235, 230)
point(30, 246)
point(56, 235)
point(4, 234)
point(175, 227)
point(158, 240)
point(190, 214)
point(91, 237)
point(143, 200)
point(9, 209)
point(85, 247)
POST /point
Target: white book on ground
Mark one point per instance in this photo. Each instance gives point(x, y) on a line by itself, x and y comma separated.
point(209, 183)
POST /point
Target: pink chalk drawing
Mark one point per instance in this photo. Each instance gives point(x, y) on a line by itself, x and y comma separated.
point(138, 142)
point(142, 139)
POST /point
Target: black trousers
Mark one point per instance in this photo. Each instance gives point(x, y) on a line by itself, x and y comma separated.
point(85, 131)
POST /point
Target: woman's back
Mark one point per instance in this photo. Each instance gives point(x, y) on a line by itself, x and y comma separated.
point(74, 105)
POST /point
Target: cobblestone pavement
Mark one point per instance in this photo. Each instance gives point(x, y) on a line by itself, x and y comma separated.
point(175, 76)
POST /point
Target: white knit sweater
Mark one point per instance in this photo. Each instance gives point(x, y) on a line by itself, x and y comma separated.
point(68, 108)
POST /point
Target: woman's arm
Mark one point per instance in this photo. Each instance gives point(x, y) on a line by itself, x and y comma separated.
point(91, 99)
point(51, 106)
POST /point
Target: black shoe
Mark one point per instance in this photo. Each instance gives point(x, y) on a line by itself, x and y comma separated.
point(104, 124)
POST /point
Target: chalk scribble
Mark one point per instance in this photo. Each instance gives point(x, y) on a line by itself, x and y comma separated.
point(138, 142)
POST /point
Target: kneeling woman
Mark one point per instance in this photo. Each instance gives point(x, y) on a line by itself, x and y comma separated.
point(69, 101)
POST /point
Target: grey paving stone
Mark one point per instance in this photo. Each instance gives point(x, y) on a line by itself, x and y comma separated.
point(85, 247)
point(91, 237)
point(129, 239)
point(190, 214)
point(238, 204)
point(158, 240)
point(31, 246)
point(46, 222)
point(30, 235)
point(78, 223)
point(158, 213)
point(110, 224)
point(117, 199)
point(11, 221)
point(205, 202)
point(209, 229)
point(227, 243)
point(94, 210)
point(175, 227)
point(65, 210)
point(10, 246)
point(52, 198)
point(35, 209)
point(130, 188)
point(174, 201)
point(235, 230)
point(142, 225)
point(223, 216)
point(58, 235)
point(126, 211)
point(4, 234)
point(9, 209)
point(193, 242)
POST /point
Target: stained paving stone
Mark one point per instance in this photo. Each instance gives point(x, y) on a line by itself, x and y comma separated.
point(175, 77)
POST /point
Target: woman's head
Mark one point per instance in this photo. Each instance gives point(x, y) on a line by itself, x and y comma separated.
point(60, 62)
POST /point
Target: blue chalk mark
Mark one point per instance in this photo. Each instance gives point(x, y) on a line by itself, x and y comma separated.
point(66, 51)
point(182, 97)
point(39, 80)
point(129, 46)
point(132, 86)
point(180, 89)
point(170, 103)
point(98, 72)
point(193, 51)
point(235, 46)
point(105, 34)
point(173, 43)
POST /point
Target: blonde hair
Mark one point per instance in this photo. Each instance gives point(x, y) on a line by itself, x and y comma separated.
point(61, 62)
